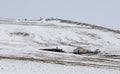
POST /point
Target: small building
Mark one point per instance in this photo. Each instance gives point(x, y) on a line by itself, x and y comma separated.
point(80, 50)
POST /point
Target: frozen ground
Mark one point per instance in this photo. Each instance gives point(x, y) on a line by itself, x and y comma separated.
point(21, 41)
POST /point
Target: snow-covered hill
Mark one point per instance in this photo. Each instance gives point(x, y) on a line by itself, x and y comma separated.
point(23, 39)
point(52, 33)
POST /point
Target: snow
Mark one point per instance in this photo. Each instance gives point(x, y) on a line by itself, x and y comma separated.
point(52, 34)
point(23, 67)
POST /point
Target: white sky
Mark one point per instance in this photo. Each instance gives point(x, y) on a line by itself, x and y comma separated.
point(99, 12)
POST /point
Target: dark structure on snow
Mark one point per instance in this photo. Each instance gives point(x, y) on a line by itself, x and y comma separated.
point(53, 49)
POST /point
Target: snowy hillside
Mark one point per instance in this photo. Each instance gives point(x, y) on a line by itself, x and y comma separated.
point(53, 33)
point(23, 39)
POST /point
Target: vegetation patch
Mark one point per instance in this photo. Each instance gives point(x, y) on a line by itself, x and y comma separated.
point(80, 50)
point(20, 34)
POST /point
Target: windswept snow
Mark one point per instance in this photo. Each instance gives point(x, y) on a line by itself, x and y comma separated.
point(23, 39)
point(23, 67)
point(54, 33)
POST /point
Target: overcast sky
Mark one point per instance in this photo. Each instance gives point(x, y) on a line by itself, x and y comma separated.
point(99, 12)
